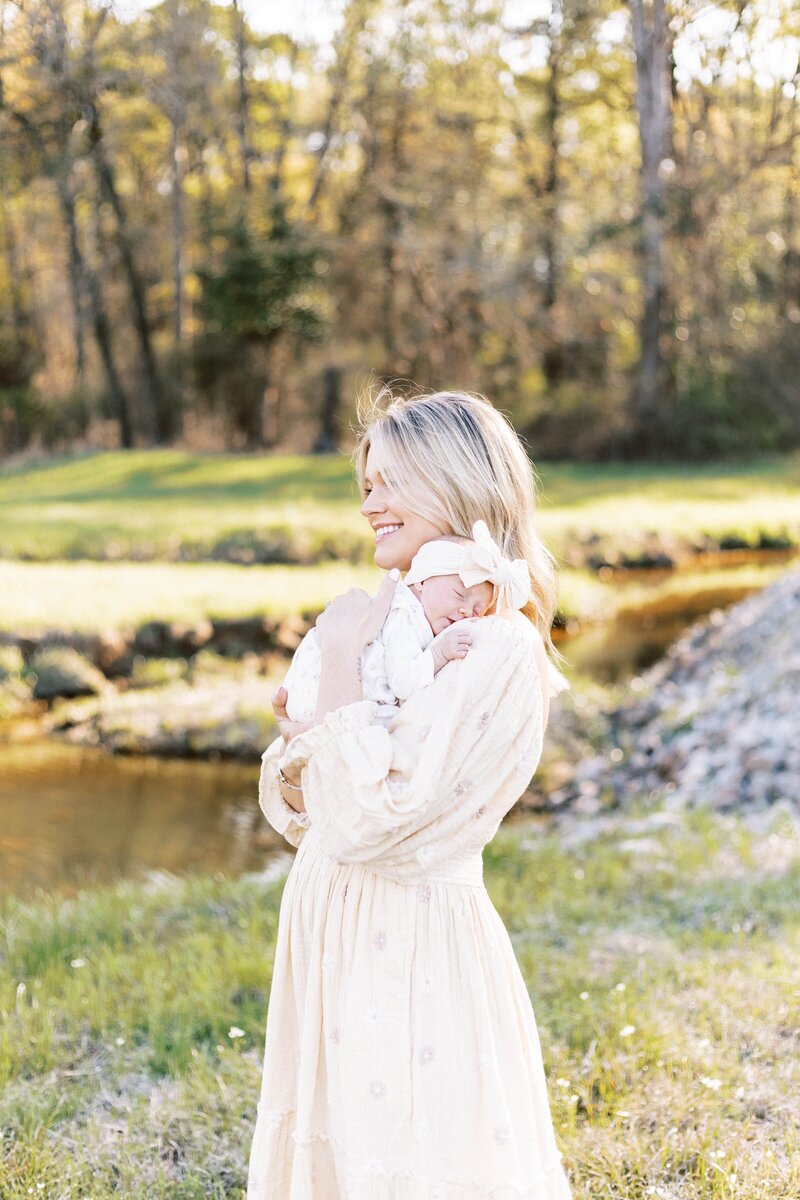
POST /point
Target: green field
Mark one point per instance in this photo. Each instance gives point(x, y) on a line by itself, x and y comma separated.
point(149, 503)
point(89, 596)
point(662, 955)
point(663, 963)
point(166, 504)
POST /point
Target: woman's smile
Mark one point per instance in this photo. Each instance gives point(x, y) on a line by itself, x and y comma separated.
point(384, 531)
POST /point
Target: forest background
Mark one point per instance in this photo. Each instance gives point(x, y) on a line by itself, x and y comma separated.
point(212, 234)
point(214, 231)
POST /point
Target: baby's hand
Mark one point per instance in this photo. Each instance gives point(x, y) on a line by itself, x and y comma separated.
point(453, 643)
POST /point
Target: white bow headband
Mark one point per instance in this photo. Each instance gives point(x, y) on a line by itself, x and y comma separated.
point(478, 561)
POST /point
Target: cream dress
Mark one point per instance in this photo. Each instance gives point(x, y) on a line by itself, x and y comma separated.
point(402, 1059)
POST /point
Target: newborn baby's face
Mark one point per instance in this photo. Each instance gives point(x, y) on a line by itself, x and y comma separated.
point(445, 600)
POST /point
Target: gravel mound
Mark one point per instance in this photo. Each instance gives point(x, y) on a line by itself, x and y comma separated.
point(716, 721)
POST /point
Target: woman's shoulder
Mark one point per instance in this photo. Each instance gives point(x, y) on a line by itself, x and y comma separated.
point(521, 637)
point(507, 636)
point(509, 627)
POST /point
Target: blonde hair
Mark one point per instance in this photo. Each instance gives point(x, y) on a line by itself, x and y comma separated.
point(456, 459)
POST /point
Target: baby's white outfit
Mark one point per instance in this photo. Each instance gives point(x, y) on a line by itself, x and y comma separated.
point(399, 661)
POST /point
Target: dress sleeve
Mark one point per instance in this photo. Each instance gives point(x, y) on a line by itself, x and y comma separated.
point(474, 736)
point(281, 816)
point(557, 682)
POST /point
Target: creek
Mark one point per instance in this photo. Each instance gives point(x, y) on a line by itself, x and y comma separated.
point(74, 817)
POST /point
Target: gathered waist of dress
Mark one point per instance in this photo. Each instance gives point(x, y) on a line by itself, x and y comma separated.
point(465, 871)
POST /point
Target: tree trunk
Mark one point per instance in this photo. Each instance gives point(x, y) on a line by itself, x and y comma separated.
point(331, 401)
point(653, 109)
point(243, 105)
point(88, 282)
point(392, 229)
point(553, 361)
point(177, 155)
point(14, 269)
point(141, 323)
point(76, 285)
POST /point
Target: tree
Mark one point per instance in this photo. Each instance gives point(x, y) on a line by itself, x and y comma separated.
point(653, 107)
point(262, 293)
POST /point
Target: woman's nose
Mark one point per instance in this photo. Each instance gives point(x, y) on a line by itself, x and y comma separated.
point(370, 505)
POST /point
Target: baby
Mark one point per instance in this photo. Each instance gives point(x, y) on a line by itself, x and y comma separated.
point(450, 579)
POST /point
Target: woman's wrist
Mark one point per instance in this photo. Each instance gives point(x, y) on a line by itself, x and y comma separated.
point(293, 795)
point(340, 678)
point(290, 778)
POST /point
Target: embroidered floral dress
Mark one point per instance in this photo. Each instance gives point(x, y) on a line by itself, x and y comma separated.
point(402, 1060)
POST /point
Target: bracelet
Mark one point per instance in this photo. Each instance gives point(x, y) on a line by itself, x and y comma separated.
point(294, 786)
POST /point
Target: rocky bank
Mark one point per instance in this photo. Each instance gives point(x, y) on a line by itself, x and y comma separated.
point(715, 722)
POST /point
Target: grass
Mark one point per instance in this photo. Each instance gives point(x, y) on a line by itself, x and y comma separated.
point(148, 503)
point(664, 972)
point(88, 596)
point(152, 504)
point(664, 968)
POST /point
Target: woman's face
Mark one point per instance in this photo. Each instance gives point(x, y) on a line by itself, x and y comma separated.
point(399, 533)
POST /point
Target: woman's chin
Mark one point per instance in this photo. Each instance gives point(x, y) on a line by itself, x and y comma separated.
point(386, 558)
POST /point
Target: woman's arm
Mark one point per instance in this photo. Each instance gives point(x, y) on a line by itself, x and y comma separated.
point(470, 741)
point(346, 626)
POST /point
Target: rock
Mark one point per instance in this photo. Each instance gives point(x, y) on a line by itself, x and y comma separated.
point(11, 662)
point(62, 671)
point(226, 715)
point(235, 636)
point(161, 639)
point(291, 632)
point(715, 721)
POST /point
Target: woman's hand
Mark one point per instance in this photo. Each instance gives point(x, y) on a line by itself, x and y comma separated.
point(355, 618)
point(347, 625)
point(288, 730)
point(286, 726)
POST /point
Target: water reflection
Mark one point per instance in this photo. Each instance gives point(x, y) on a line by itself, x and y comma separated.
point(72, 817)
point(616, 651)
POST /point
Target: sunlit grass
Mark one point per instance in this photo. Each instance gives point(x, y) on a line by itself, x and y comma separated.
point(87, 596)
point(149, 502)
point(663, 972)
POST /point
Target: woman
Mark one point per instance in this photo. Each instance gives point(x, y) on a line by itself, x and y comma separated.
point(402, 1059)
